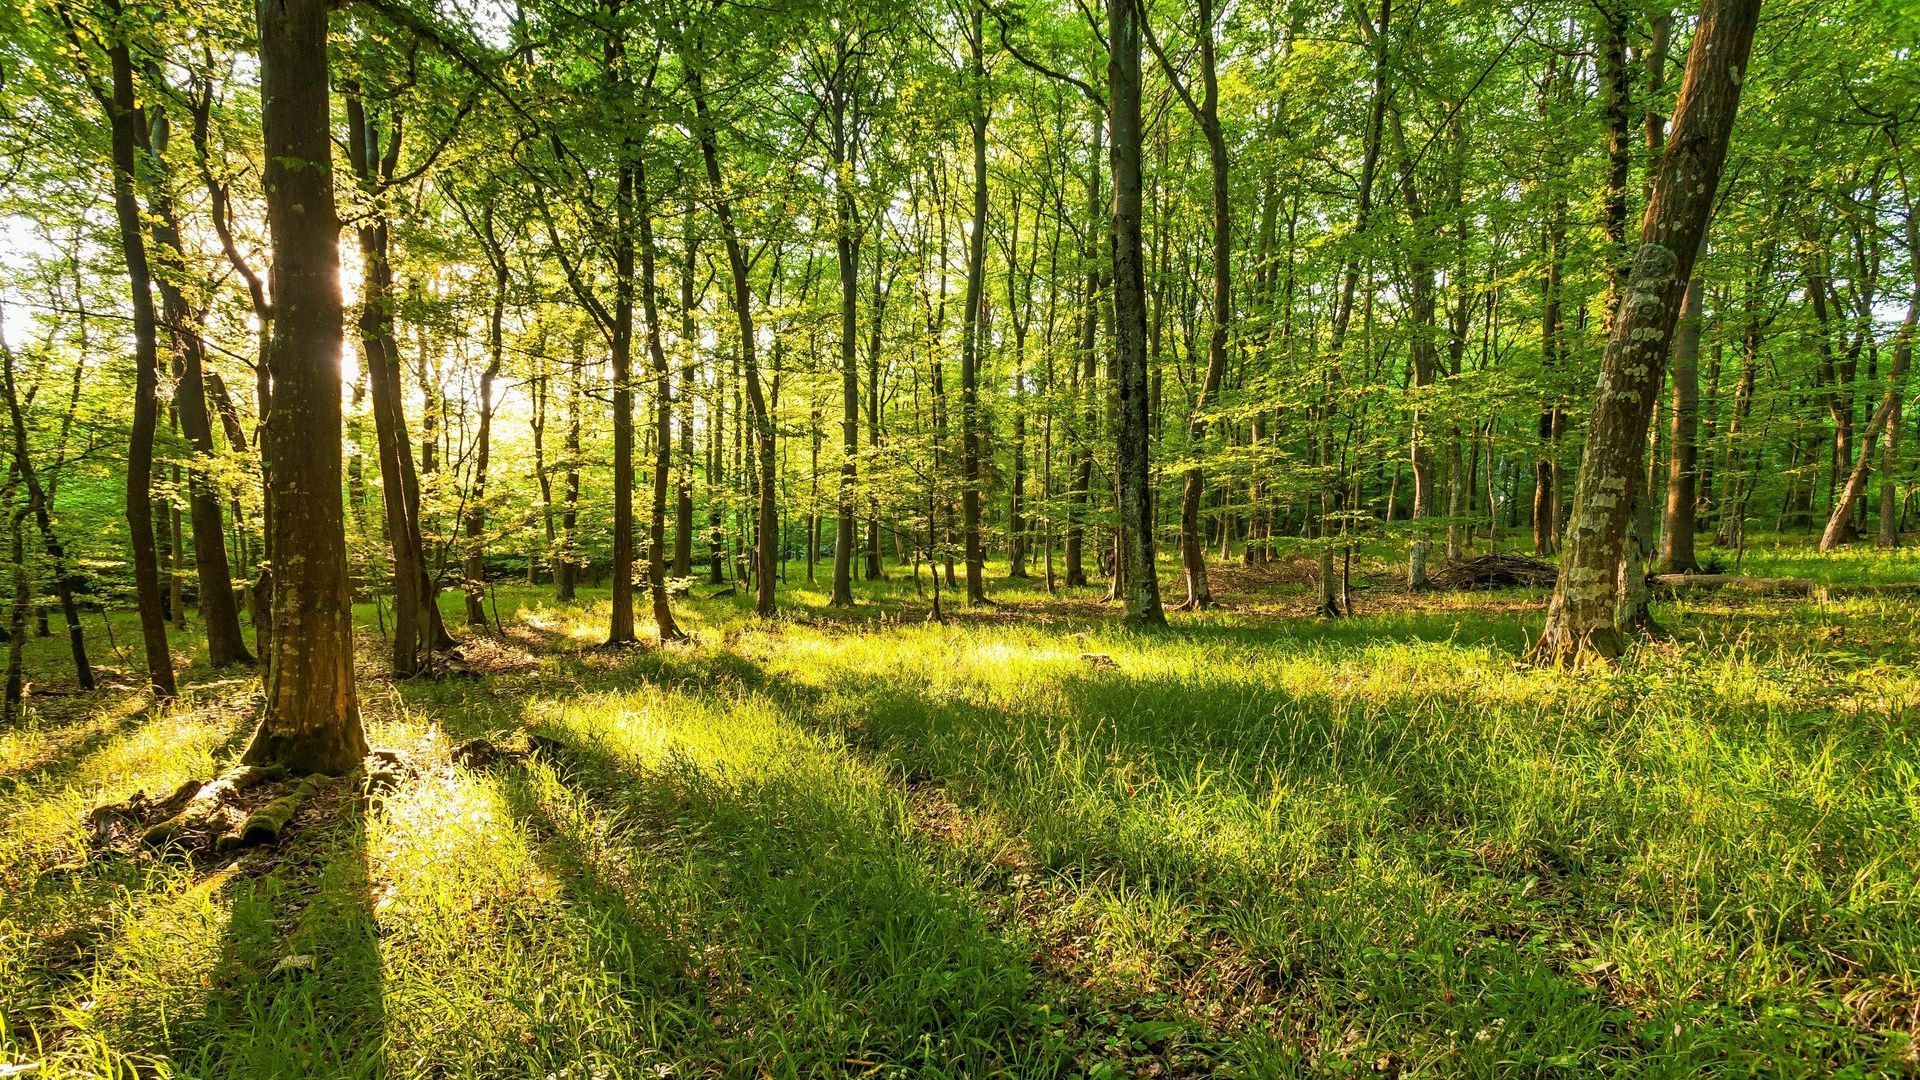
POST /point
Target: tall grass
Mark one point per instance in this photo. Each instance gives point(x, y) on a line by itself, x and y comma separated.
point(1028, 843)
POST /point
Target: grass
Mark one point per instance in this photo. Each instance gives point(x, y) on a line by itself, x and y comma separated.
point(1027, 842)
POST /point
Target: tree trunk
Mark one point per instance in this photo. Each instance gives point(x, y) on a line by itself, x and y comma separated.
point(683, 473)
point(566, 563)
point(129, 134)
point(39, 504)
point(1206, 113)
point(1080, 486)
point(970, 329)
point(367, 152)
point(475, 570)
point(312, 718)
point(1885, 421)
point(1676, 544)
point(225, 645)
point(1580, 619)
point(620, 629)
point(762, 418)
point(1134, 489)
point(662, 417)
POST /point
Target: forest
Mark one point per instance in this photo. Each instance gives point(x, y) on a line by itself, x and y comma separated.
point(959, 538)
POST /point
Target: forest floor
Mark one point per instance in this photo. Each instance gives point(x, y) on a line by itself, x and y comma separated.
point(1027, 843)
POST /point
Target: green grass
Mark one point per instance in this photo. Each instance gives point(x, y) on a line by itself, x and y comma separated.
point(862, 844)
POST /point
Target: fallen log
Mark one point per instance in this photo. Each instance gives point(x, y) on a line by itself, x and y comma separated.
point(209, 811)
point(264, 825)
point(1676, 584)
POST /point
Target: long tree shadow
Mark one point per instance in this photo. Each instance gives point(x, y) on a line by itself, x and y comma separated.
point(298, 987)
point(793, 921)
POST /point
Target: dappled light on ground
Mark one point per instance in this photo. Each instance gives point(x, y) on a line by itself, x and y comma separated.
point(1022, 847)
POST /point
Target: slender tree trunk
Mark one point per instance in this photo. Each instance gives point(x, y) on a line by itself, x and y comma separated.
point(17, 620)
point(1676, 544)
point(41, 507)
point(1884, 422)
point(683, 472)
point(1135, 491)
point(1206, 113)
point(876, 317)
point(620, 627)
point(762, 417)
point(476, 515)
point(566, 563)
point(1080, 487)
point(1580, 620)
point(970, 328)
point(366, 151)
point(847, 259)
point(225, 645)
point(129, 134)
point(662, 417)
point(1329, 496)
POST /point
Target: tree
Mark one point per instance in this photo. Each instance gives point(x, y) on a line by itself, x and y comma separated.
point(312, 717)
point(1580, 619)
point(1135, 494)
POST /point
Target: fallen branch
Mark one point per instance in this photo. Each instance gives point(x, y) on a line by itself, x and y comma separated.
point(1496, 571)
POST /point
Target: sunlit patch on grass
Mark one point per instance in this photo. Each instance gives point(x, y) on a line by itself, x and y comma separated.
point(855, 840)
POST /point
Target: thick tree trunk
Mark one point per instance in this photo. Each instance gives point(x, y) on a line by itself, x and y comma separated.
point(312, 718)
point(1580, 619)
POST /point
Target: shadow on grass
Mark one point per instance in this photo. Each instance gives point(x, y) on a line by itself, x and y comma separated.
point(297, 990)
point(792, 924)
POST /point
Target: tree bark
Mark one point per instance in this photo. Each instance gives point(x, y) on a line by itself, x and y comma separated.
point(762, 419)
point(128, 123)
point(225, 645)
point(662, 416)
point(312, 718)
point(683, 472)
point(1134, 488)
point(1677, 534)
point(1884, 422)
point(370, 155)
point(1580, 619)
point(970, 329)
point(40, 505)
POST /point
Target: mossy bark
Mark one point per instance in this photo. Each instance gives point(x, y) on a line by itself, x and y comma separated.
point(1580, 619)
